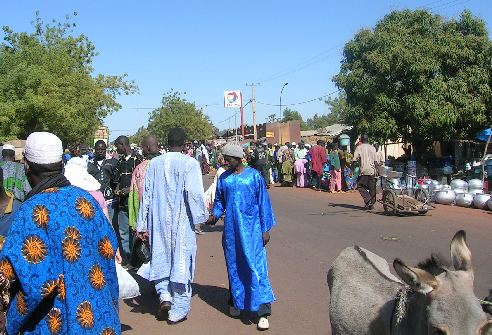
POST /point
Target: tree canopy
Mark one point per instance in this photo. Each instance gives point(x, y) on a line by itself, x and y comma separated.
point(176, 111)
point(47, 84)
point(338, 109)
point(293, 115)
point(419, 77)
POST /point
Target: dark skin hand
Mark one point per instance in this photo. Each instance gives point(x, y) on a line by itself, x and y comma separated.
point(122, 192)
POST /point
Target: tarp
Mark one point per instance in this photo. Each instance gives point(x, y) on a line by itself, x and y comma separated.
point(484, 134)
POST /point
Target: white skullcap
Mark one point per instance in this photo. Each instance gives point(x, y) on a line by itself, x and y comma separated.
point(294, 143)
point(43, 148)
point(8, 147)
point(77, 175)
point(233, 150)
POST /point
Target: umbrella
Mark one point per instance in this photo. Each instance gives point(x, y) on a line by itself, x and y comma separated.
point(484, 135)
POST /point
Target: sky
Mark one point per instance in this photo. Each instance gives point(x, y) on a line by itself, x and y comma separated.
point(206, 47)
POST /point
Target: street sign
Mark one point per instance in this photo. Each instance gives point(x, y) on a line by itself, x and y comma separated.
point(232, 99)
point(270, 134)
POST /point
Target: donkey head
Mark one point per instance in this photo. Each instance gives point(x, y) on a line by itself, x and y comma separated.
point(451, 307)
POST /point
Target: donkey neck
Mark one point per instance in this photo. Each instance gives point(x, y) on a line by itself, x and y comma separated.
point(409, 313)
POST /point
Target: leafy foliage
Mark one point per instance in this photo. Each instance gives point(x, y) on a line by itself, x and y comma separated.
point(292, 115)
point(338, 109)
point(138, 137)
point(176, 111)
point(46, 84)
point(272, 118)
point(419, 77)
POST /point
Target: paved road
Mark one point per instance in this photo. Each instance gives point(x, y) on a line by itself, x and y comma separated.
point(312, 229)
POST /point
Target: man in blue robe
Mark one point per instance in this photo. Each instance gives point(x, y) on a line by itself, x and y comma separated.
point(59, 253)
point(173, 202)
point(242, 196)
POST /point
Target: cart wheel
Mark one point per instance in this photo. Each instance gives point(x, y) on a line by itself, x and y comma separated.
point(389, 202)
point(422, 196)
point(423, 211)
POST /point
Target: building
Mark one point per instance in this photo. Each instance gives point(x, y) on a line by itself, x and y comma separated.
point(102, 133)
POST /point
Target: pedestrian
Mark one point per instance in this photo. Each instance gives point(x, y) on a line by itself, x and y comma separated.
point(242, 196)
point(335, 169)
point(150, 150)
point(300, 169)
point(300, 152)
point(260, 162)
point(205, 160)
point(318, 159)
point(210, 193)
point(14, 176)
point(287, 168)
point(173, 202)
point(60, 250)
point(368, 161)
point(126, 165)
point(103, 169)
point(8, 206)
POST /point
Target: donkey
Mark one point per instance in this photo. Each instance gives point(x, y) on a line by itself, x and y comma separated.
point(366, 299)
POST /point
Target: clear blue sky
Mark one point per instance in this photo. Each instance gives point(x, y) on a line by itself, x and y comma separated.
point(206, 47)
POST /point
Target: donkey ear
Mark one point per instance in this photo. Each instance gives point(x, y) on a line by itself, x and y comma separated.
point(418, 279)
point(486, 329)
point(460, 254)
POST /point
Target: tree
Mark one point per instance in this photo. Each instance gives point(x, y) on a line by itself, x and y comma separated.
point(292, 115)
point(138, 137)
point(46, 84)
point(271, 118)
point(419, 77)
point(177, 112)
point(338, 109)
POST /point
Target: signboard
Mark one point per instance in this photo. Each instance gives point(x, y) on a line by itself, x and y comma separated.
point(270, 134)
point(232, 99)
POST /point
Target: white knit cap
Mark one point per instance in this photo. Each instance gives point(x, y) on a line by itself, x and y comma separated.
point(233, 150)
point(77, 175)
point(8, 147)
point(43, 148)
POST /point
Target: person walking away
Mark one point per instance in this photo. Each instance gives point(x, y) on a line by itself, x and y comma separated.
point(103, 169)
point(318, 159)
point(335, 171)
point(14, 176)
point(242, 196)
point(205, 160)
point(365, 154)
point(8, 206)
point(260, 161)
point(173, 202)
point(287, 168)
point(60, 251)
point(300, 169)
point(126, 165)
point(150, 150)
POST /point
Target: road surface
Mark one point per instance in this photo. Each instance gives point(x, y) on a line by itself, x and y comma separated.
point(312, 228)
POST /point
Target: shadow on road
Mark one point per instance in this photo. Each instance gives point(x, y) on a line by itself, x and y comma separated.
point(347, 206)
point(147, 302)
point(217, 298)
point(211, 229)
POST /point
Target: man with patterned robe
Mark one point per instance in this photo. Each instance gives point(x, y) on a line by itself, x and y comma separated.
point(59, 253)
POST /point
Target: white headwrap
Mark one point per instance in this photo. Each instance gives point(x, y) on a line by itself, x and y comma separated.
point(8, 147)
point(43, 148)
point(77, 175)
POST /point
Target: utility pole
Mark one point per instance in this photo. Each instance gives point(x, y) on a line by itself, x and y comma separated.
point(253, 109)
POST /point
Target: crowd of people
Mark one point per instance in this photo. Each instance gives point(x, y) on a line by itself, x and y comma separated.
point(69, 217)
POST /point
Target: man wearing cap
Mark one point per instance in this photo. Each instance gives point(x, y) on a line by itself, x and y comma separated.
point(14, 176)
point(173, 203)
point(242, 196)
point(59, 253)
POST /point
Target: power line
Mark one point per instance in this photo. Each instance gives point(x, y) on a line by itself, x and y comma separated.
point(299, 103)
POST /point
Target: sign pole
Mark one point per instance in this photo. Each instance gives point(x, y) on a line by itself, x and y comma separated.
point(242, 117)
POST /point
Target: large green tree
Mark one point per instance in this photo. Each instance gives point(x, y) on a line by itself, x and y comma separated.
point(293, 115)
point(337, 114)
point(176, 111)
point(47, 84)
point(419, 77)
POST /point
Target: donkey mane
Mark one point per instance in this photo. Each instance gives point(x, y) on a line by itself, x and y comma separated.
point(435, 264)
